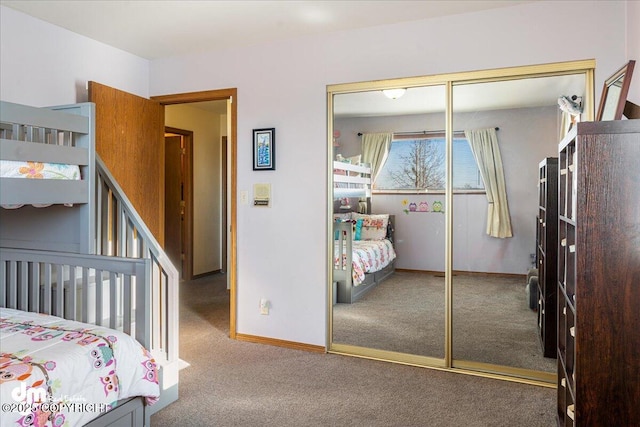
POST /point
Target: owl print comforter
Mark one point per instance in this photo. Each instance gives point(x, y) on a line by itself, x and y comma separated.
point(56, 372)
point(368, 256)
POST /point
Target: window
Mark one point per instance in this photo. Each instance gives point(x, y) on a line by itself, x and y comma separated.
point(419, 165)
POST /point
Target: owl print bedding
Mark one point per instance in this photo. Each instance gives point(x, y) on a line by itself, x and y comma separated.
point(368, 256)
point(56, 372)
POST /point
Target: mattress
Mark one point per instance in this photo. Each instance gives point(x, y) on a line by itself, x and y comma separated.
point(37, 170)
point(368, 256)
point(56, 372)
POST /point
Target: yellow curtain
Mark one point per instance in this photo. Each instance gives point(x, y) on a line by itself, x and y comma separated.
point(484, 145)
point(375, 148)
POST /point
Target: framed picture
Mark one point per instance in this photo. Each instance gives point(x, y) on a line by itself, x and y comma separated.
point(264, 149)
point(614, 93)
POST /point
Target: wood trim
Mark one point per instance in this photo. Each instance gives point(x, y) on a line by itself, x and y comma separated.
point(207, 95)
point(281, 343)
point(187, 266)
point(215, 95)
point(631, 110)
point(224, 141)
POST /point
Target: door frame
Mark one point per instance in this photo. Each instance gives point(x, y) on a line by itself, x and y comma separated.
point(224, 140)
point(231, 95)
point(187, 136)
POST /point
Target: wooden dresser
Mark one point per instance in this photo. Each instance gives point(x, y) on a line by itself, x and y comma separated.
point(599, 275)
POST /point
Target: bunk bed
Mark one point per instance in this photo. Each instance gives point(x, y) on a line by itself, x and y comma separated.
point(38, 140)
point(360, 262)
point(81, 351)
point(351, 180)
point(361, 265)
point(56, 287)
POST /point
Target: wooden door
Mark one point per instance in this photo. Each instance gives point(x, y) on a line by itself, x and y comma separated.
point(130, 141)
point(174, 203)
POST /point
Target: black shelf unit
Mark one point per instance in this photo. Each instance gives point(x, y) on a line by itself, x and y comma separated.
point(547, 255)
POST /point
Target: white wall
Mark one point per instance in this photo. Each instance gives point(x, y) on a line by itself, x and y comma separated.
point(283, 85)
point(42, 65)
point(207, 182)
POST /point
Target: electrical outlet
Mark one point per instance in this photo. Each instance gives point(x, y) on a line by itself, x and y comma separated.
point(264, 306)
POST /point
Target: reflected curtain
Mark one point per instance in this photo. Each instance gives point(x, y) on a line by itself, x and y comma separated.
point(565, 125)
point(484, 145)
point(375, 148)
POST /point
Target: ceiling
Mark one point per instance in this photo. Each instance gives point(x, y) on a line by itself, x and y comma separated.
point(157, 29)
point(154, 29)
point(498, 95)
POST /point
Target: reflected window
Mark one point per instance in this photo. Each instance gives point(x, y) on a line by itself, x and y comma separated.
point(419, 165)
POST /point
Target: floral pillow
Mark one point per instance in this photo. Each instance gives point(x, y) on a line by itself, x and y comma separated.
point(374, 227)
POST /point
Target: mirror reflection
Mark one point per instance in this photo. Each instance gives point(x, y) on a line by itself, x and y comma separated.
point(614, 91)
point(401, 311)
point(494, 312)
point(494, 232)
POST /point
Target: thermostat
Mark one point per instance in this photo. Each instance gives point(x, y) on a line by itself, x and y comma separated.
point(262, 195)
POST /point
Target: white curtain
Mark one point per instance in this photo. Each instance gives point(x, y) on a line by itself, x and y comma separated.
point(484, 145)
point(375, 148)
point(565, 125)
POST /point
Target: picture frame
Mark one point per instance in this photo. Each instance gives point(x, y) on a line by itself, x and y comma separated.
point(614, 93)
point(264, 149)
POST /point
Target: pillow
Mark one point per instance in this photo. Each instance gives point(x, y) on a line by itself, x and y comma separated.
point(374, 227)
point(357, 232)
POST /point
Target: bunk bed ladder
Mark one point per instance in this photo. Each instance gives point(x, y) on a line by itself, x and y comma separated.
point(121, 232)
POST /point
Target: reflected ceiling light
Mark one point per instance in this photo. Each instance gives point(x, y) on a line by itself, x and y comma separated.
point(393, 93)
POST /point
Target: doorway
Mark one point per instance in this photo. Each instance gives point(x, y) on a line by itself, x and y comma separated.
point(229, 190)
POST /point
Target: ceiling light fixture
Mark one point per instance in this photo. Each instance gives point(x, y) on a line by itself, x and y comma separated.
point(393, 93)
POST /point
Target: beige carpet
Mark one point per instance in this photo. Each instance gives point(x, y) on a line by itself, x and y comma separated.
point(233, 383)
point(491, 323)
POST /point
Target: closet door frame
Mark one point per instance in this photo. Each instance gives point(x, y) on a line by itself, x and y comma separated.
point(586, 67)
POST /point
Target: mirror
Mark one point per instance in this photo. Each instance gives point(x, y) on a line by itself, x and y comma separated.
point(405, 312)
point(492, 322)
point(614, 93)
point(456, 297)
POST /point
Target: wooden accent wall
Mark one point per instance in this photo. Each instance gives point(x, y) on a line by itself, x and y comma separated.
point(130, 141)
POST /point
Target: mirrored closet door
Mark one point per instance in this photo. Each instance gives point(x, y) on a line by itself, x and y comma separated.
point(494, 327)
point(457, 150)
point(400, 312)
